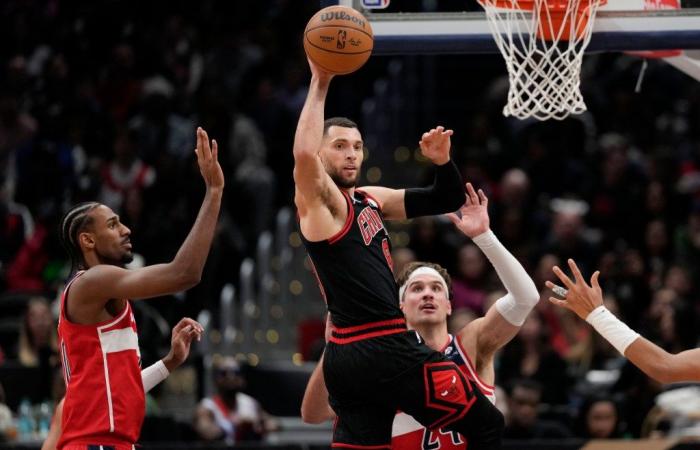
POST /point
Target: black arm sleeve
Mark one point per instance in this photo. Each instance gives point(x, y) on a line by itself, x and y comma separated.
point(445, 195)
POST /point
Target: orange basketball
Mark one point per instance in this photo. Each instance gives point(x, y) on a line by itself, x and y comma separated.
point(338, 39)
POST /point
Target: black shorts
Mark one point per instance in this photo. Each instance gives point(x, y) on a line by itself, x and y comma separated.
point(369, 380)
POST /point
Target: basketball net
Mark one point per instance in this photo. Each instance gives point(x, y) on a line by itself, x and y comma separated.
point(542, 42)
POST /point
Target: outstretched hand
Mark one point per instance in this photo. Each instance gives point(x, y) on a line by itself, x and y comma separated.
point(435, 145)
point(183, 333)
point(580, 297)
point(318, 72)
point(474, 212)
point(208, 160)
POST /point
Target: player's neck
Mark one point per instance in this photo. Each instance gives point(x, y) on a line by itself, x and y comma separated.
point(435, 336)
point(350, 191)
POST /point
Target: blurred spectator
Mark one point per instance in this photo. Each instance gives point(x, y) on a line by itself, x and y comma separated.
point(7, 426)
point(16, 226)
point(230, 415)
point(38, 341)
point(524, 398)
point(598, 418)
point(469, 284)
point(568, 237)
point(126, 175)
point(530, 355)
point(427, 243)
point(401, 256)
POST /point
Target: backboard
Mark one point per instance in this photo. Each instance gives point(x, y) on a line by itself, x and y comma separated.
point(453, 27)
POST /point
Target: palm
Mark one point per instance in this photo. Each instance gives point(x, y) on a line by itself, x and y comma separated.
point(474, 213)
point(435, 145)
point(475, 220)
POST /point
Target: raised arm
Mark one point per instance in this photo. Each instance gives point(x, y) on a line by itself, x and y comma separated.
point(104, 282)
point(320, 203)
point(587, 302)
point(502, 322)
point(444, 195)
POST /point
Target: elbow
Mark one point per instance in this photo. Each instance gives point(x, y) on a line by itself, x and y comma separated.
point(533, 296)
point(188, 278)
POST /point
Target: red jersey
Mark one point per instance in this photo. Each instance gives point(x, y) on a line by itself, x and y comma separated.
point(408, 434)
point(104, 403)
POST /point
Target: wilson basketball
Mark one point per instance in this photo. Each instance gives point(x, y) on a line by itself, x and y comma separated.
point(338, 39)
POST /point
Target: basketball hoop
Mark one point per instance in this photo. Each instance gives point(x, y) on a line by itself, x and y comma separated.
point(542, 42)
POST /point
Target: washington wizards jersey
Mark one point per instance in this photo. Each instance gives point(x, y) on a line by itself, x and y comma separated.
point(354, 267)
point(408, 434)
point(104, 402)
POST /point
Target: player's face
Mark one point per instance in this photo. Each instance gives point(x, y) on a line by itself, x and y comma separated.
point(110, 238)
point(342, 154)
point(425, 302)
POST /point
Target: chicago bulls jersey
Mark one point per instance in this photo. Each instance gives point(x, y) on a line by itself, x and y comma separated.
point(104, 403)
point(408, 434)
point(354, 267)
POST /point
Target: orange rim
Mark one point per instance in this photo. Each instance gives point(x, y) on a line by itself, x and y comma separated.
point(553, 19)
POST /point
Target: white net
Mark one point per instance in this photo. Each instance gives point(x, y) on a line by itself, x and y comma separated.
point(543, 48)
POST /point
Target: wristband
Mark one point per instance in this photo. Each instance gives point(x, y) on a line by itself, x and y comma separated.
point(154, 374)
point(612, 329)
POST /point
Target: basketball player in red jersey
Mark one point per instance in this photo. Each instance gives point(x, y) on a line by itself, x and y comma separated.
point(373, 366)
point(424, 296)
point(183, 333)
point(104, 402)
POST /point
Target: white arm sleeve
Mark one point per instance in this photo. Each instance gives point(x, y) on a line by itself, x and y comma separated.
point(522, 294)
point(154, 374)
point(611, 328)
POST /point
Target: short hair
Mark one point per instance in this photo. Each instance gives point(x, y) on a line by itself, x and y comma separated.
point(412, 266)
point(338, 122)
point(74, 221)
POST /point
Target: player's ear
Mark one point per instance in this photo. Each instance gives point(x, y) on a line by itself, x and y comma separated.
point(86, 240)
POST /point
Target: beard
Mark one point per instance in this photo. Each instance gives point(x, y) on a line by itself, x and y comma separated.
point(119, 261)
point(340, 181)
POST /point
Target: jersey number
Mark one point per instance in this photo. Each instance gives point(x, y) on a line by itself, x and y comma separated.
point(431, 439)
point(387, 253)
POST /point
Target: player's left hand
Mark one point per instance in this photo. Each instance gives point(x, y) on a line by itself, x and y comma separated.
point(579, 297)
point(474, 212)
point(183, 333)
point(435, 145)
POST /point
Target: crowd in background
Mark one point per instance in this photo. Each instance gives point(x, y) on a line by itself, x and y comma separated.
point(101, 102)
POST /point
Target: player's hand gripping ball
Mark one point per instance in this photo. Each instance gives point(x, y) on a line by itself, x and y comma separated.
point(338, 39)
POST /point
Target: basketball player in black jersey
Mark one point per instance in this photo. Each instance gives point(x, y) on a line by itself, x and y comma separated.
point(372, 365)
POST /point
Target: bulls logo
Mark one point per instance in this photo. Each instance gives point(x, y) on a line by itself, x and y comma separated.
point(448, 391)
point(342, 35)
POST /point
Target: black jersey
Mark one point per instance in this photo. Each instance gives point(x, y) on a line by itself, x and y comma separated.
point(354, 267)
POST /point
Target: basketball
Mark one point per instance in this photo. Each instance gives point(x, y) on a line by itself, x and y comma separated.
point(338, 39)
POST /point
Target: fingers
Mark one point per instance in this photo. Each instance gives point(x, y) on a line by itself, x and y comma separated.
point(471, 194)
point(576, 272)
point(562, 276)
point(214, 150)
point(187, 322)
point(558, 302)
point(484, 199)
point(594, 280)
point(437, 131)
point(203, 148)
